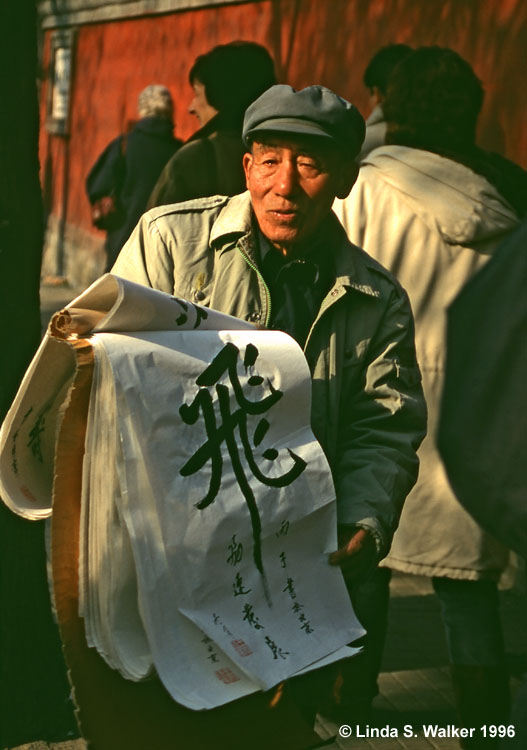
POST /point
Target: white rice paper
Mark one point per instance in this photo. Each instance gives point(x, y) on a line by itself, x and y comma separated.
point(208, 508)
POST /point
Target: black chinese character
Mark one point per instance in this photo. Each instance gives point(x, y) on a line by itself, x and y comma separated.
point(201, 313)
point(284, 528)
point(26, 415)
point(251, 618)
point(14, 460)
point(217, 434)
point(235, 551)
point(277, 652)
point(34, 437)
point(238, 586)
point(290, 588)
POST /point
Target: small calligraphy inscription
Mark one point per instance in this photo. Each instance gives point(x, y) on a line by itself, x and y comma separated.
point(238, 587)
point(277, 651)
point(34, 442)
point(250, 617)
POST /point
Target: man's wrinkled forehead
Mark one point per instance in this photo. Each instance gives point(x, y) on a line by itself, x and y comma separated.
point(319, 148)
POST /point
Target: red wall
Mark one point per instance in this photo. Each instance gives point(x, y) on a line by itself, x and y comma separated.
point(312, 41)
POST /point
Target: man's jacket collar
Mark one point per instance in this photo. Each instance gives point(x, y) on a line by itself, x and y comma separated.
point(233, 222)
point(352, 265)
point(159, 126)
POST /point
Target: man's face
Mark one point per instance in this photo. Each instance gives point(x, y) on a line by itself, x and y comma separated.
point(199, 105)
point(293, 181)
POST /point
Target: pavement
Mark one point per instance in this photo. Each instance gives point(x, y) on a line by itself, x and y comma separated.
point(414, 683)
point(415, 688)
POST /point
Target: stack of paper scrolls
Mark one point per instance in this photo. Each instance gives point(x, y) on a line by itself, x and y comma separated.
point(208, 509)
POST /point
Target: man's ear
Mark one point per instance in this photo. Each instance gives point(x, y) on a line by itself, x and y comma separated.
point(377, 95)
point(247, 161)
point(349, 171)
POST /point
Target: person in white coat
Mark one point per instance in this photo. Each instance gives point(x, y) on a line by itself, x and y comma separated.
point(432, 207)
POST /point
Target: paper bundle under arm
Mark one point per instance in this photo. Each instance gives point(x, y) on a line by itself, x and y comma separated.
point(207, 504)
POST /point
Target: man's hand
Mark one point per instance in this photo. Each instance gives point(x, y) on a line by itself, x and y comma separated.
point(357, 552)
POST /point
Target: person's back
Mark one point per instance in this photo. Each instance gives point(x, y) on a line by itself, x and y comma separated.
point(225, 81)
point(128, 168)
point(486, 323)
point(209, 164)
point(433, 221)
point(150, 144)
point(429, 207)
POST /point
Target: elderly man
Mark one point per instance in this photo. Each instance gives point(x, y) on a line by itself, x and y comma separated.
point(276, 255)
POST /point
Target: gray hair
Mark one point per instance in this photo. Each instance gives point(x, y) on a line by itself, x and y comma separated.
point(155, 101)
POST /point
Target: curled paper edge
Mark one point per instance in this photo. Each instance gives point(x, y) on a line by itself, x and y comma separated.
point(74, 321)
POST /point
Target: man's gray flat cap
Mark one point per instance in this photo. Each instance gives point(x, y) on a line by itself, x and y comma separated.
point(314, 111)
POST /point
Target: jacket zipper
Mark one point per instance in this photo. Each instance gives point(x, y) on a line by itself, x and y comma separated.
point(267, 292)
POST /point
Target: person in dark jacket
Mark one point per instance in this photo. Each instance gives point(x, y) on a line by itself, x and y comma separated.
point(376, 78)
point(481, 434)
point(129, 166)
point(225, 81)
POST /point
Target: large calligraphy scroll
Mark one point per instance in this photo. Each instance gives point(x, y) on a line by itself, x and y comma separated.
point(207, 505)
